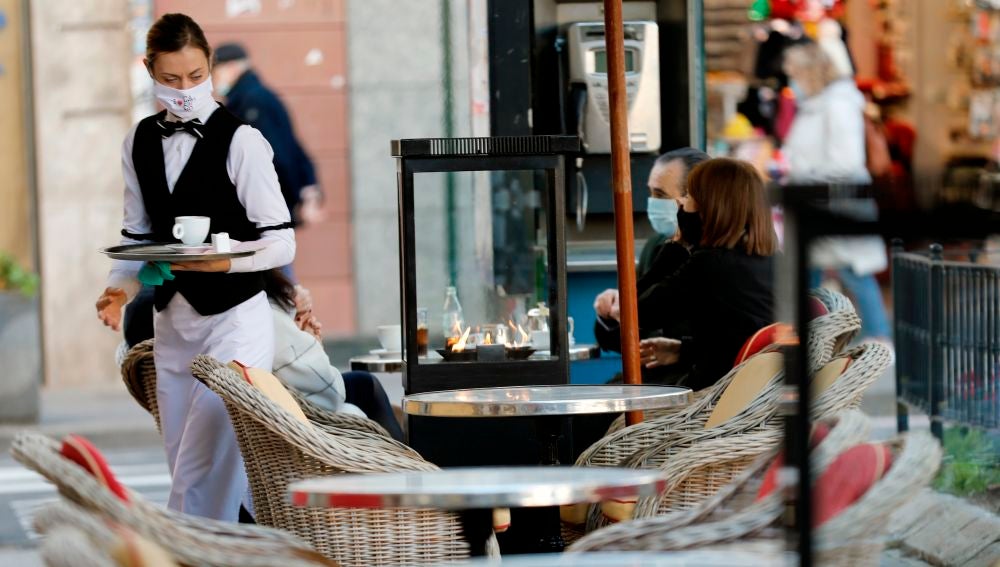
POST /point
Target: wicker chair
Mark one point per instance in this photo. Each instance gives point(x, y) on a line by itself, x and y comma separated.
point(139, 375)
point(829, 336)
point(68, 546)
point(744, 437)
point(192, 540)
point(702, 461)
point(279, 450)
point(854, 537)
point(869, 362)
point(338, 420)
point(74, 537)
point(852, 427)
point(833, 300)
point(64, 513)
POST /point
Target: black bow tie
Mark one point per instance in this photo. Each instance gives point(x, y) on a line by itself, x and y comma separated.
point(192, 127)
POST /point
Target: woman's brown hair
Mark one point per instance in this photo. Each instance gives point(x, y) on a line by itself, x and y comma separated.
point(173, 32)
point(734, 212)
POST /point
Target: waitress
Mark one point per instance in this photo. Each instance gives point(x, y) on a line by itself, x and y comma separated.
point(195, 158)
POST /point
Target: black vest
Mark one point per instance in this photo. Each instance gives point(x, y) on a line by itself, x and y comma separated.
point(203, 189)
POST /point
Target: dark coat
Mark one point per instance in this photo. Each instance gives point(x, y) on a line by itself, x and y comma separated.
point(254, 103)
point(726, 295)
point(659, 258)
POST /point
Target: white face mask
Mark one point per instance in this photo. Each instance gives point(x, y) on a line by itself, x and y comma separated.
point(185, 104)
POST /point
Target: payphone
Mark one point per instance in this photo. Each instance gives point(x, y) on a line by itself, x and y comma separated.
point(588, 75)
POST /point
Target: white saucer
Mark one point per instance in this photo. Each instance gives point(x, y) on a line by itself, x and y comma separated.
point(191, 248)
point(387, 354)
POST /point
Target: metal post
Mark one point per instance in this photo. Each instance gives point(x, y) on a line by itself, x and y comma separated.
point(696, 73)
point(797, 429)
point(795, 391)
point(936, 350)
point(449, 132)
point(902, 410)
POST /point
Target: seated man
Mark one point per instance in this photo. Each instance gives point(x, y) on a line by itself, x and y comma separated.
point(662, 255)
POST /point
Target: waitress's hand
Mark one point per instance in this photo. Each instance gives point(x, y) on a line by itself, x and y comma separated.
point(222, 265)
point(109, 307)
point(659, 351)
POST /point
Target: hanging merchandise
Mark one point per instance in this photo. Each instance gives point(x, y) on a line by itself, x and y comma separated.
point(760, 10)
point(785, 9)
point(807, 10)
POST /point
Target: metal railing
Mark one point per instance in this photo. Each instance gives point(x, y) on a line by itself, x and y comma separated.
point(947, 333)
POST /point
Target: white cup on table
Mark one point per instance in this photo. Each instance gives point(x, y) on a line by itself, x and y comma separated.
point(390, 337)
point(191, 230)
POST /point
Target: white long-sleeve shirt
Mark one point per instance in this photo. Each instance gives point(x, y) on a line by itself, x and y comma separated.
point(250, 169)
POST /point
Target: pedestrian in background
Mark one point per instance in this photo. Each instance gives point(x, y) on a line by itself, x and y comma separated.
point(252, 101)
point(826, 145)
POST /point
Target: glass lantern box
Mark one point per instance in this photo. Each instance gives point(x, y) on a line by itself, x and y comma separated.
point(482, 261)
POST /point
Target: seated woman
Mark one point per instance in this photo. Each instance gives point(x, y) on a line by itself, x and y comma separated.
point(725, 288)
point(300, 361)
point(662, 254)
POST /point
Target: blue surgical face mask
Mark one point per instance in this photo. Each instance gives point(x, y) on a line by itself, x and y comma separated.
point(662, 215)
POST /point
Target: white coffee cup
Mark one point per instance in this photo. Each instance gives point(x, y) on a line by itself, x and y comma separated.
point(191, 230)
point(390, 337)
point(220, 241)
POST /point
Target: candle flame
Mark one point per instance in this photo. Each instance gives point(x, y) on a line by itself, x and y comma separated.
point(525, 337)
point(519, 337)
point(460, 345)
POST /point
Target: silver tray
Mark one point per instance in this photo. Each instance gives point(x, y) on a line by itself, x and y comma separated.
point(163, 253)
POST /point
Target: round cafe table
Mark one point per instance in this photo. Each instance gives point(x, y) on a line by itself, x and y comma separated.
point(548, 404)
point(477, 488)
point(534, 401)
point(481, 489)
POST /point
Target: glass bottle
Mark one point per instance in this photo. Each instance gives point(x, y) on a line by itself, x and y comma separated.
point(452, 322)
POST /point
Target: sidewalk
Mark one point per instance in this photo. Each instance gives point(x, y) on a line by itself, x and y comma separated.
point(108, 416)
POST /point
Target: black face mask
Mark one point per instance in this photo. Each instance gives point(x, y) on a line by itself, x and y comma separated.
point(690, 225)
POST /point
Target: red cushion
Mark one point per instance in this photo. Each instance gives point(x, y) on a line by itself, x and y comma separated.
point(817, 308)
point(773, 333)
point(847, 479)
point(244, 371)
point(83, 453)
point(820, 431)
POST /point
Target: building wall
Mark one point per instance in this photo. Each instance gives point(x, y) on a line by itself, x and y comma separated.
point(82, 112)
point(395, 70)
point(15, 193)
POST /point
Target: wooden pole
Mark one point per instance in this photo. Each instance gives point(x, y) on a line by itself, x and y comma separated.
point(621, 181)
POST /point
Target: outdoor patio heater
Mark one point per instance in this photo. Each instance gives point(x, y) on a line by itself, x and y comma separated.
point(481, 221)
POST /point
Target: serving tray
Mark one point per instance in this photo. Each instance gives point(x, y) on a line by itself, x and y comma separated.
point(163, 253)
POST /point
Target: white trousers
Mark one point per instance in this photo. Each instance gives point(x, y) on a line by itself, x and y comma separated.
point(206, 468)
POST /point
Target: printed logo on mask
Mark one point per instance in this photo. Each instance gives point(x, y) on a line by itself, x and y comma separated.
point(185, 103)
